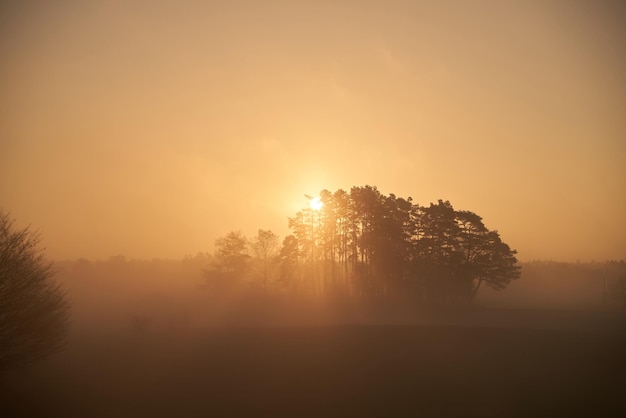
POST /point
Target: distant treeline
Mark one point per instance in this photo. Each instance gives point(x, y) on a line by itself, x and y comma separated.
point(563, 285)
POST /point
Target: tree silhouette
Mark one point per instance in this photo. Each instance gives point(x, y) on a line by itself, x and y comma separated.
point(289, 264)
point(34, 313)
point(369, 244)
point(231, 253)
point(456, 253)
point(231, 262)
point(265, 247)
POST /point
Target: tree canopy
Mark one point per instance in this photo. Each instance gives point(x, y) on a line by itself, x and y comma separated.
point(367, 243)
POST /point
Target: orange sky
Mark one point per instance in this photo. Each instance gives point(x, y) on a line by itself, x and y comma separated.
point(149, 128)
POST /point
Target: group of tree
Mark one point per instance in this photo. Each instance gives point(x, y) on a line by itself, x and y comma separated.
point(363, 243)
point(238, 258)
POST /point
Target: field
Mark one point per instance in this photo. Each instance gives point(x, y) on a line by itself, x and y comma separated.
point(492, 364)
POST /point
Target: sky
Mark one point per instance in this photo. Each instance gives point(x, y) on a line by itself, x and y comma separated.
point(150, 128)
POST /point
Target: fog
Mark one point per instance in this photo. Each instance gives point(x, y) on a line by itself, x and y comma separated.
point(312, 208)
point(154, 338)
point(143, 296)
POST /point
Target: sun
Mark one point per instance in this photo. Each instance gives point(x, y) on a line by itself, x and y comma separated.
point(316, 203)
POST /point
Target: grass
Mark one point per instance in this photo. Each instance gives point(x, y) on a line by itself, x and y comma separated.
point(343, 371)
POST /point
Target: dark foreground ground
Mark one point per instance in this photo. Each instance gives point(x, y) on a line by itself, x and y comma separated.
point(340, 371)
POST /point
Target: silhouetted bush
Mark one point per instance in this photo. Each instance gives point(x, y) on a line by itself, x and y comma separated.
point(34, 313)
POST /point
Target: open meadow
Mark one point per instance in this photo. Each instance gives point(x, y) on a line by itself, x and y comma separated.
point(559, 365)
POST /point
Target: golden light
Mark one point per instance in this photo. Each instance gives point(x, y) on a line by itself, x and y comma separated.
point(316, 203)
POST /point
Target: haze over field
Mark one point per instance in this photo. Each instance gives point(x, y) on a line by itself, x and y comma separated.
point(293, 208)
point(150, 128)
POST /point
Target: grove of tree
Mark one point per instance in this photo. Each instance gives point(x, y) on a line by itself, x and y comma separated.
point(363, 243)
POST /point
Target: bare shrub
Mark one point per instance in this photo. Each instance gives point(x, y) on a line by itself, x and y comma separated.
point(34, 313)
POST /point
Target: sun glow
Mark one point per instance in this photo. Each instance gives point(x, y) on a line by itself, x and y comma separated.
point(316, 203)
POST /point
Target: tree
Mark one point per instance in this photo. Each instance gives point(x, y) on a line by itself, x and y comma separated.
point(265, 246)
point(377, 245)
point(289, 254)
point(457, 254)
point(482, 256)
point(230, 263)
point(34, 313)
point(231, 253)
